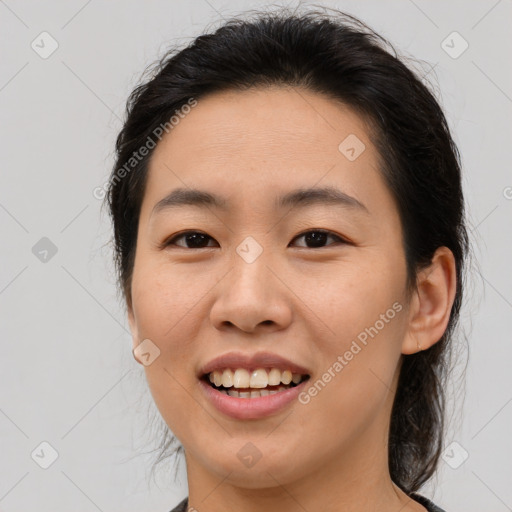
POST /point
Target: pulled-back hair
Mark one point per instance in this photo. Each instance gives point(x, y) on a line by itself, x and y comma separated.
point(338, 56)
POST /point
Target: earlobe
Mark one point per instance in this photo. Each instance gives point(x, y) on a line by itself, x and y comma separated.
point(431, 303)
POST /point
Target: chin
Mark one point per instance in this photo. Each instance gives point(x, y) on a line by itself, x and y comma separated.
point(251, 468)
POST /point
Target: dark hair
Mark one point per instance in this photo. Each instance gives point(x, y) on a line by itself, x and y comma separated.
point(338, 56)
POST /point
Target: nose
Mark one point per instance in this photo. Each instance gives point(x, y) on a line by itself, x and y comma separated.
point(251, 298)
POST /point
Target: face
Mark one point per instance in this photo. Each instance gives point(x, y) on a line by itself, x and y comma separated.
point(319, 281)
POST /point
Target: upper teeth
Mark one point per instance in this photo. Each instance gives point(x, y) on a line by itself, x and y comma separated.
point(259, 378)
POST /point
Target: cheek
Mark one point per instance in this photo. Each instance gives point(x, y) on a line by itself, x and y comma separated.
point(165, 304)
point(357, 382)
point(166, 313)
point(351, 297)
point(365, 313)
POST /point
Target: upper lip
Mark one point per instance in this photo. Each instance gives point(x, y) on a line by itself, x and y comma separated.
point(252, 362)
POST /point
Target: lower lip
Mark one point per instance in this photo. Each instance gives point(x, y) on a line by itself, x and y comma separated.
point(251, 408)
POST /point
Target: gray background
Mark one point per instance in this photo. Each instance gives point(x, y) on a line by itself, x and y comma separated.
point(66, 368)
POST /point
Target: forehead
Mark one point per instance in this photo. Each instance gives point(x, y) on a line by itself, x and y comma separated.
point(265, 122)
point(265, 141)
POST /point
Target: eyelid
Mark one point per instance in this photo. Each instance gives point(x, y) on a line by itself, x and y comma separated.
point(340, 238)
point(170, 240)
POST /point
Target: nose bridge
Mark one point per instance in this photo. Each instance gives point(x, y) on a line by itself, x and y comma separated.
point(249, 280)
point(250, 271)
point(250, 294)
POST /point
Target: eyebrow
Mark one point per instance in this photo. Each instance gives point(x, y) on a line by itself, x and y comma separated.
point(302, 197)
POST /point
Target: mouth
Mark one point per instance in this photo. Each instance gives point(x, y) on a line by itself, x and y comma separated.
point(260, 382)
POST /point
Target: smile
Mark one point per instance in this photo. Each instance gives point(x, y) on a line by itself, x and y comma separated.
point(240, 383)
point(244, 394)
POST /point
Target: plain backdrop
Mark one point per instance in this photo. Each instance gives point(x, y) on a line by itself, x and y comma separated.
point(71, 396)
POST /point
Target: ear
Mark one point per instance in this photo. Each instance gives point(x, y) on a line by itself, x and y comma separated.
point(134, 331)
point(431, 302)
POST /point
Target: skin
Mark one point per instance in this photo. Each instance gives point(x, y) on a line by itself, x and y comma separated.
point(303, 302)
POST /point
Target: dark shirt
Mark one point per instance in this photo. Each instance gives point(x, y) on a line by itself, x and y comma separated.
point(425, 502)
point(182, 506)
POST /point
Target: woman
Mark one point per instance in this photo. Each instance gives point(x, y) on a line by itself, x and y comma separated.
point(290, 241)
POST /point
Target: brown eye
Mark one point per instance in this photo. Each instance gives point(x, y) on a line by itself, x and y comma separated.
point(194, 239)
point(318, 237)
point(314, 239)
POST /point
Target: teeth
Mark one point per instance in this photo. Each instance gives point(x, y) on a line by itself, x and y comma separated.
point(217, 378)
point(274, 377)
point(253, 393)
point(286, 377)
point(241, 378)
point(227, 378)
point(296, 378)
point(258, 379)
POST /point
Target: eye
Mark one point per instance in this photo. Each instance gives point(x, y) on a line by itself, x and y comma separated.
point(195, 238)
point(317, 237)
point(198, 240)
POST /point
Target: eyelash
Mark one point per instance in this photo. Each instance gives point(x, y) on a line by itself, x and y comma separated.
point(172, 240)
